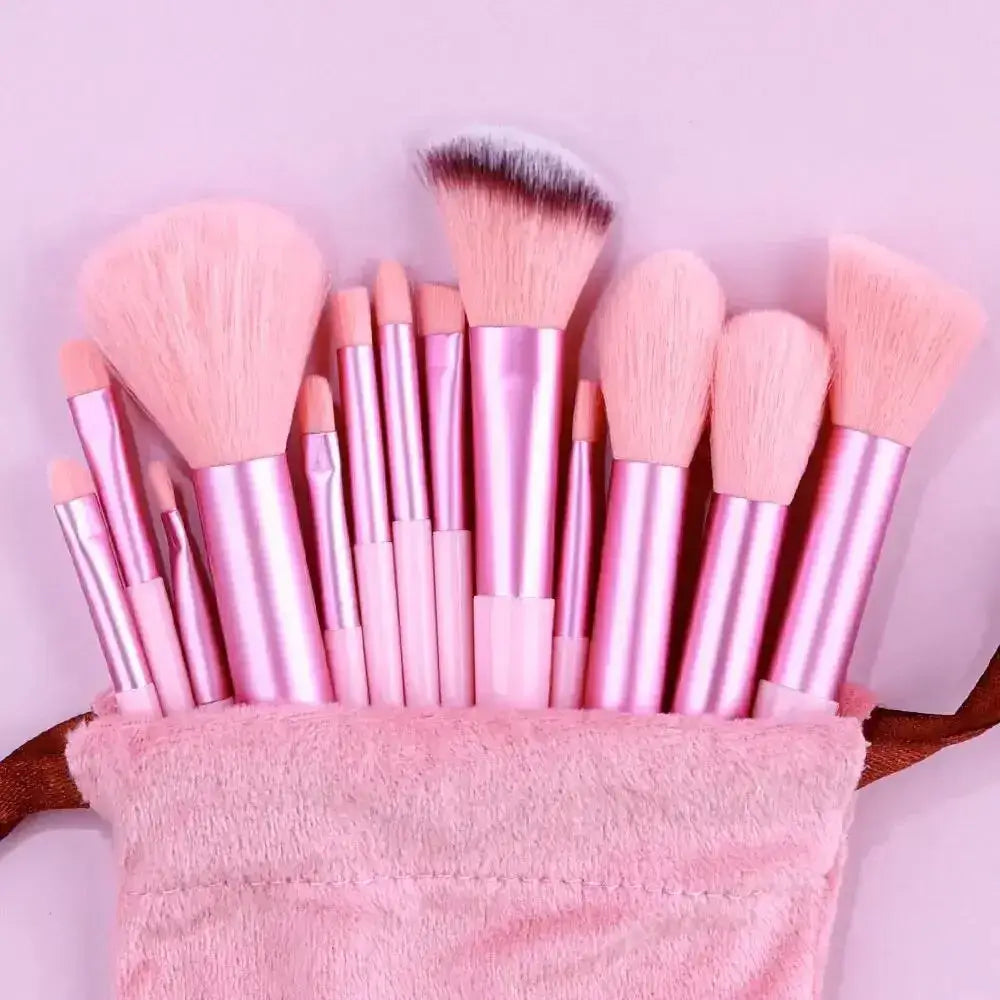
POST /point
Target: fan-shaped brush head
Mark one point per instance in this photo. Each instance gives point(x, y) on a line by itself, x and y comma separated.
point(525, 221)
point(440, 310)
point(82, 368)
point(162, 484)
point(771, 375)
point(315, 408)
point(392, 294)
point(900, 335)
point(207, 312)
point(657, 328)
point(69, 480)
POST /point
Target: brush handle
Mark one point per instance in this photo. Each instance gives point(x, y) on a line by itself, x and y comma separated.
point(414, 555)
point(569, 671)
point(858, 486)
point(380, 622)
point(513, 643)
point(345, 653)
point(155, 619)
point(445, 377)
point(635, 588)
point(453, 596)
point(139, 703)
point(775, 701)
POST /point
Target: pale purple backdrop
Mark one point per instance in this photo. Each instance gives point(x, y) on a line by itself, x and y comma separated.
point(745, 131)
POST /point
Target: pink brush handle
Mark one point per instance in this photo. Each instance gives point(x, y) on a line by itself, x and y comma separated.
point(513, 641)
point(155, 619)
point(345, 652)
point(445, 378)
point(414, 555)
point(774, 701)
point(453, 593)
point(139, 703)
point(569, 670)
point(376, 571)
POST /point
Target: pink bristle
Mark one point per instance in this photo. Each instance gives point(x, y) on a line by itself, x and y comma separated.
point(162, 485)
point(440, 309)
point(315, 407)
point(69, 480)
point(82, 367)
point(392, 294)
point(350, 315)
point(588, 412)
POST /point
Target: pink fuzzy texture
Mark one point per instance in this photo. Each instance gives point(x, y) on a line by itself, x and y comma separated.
point(293, 853)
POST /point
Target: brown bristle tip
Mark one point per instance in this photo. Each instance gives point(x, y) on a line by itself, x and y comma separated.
point(588, 412)
point(69, 480)
point(315, 410)
point(162, 484)
point(440, 309)
point(392, 294)
point(351, 318)
point(82, 367)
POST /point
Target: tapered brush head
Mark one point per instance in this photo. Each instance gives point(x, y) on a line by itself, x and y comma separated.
point(351, 318)
point(163, 486)
point(772, 371)
point(440, 310)
point(392, 294)
point(315, 409)
point(69, 480)
point(588, 412)
point(900, 335)
point(82, 368)
point(525, 221)
point(656, 330)
point(207, 312)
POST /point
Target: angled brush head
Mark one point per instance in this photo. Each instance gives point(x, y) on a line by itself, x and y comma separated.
point(772, 371)
point(315, 409)
point(82, 368)
point(525, 221)
point(900, 334)
point(350, 318)
point(656, 329)
point(207, 312)
point(440, 310)
point(69, 480)
point(392, 294)
point(588, 412)
point(163, 486)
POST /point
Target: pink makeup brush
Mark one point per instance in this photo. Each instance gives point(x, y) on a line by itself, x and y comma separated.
point(411, 509)
point(442, 326)
point(197, 620)
point(79, 513)
point(109, 448)
point(899, 335)
point(334, 567)
point(581, 528)
point(207, 312)
point(657, 330)
point(526, 222)
point(373, 554)
point(771, 375)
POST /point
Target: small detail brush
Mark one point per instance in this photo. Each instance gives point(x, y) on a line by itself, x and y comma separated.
point(411, 512)
point(332, 562)
point(194, 603)
point(207, 312)
point(771, 375)
point(657, 329)
point(900, 335)
point(79, 513)
point(445, 365)
point(525, 221)
point(373, 555)
point(109, 448)
point(581, 528)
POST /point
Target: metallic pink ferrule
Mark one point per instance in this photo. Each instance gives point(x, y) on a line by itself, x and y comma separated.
point(517, 384)
point(334, 565)
point(445, 370)
point(719, 670)
point(861, 475)
point(262, 586)
point(110, 451)
point(635, 588)
point(580, 531)
point(365, 451)
point(89, 542)
point(397, 350)
point(194, 611)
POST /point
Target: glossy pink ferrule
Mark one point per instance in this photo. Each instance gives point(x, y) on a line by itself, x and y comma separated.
point(345, 653)
point(453, 596)
point(414, 555)
point(376, 571)
point(569, 670)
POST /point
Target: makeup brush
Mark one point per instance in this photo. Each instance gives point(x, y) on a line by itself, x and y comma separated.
point(525, 221)
point(411, 510)
point(197, 619)
point(446, 374)
point(207, 312)
point(581, 528)
point(657, 329)
point(109, 448)
point(79, 513)
point(373, 554)
point(900, 335)
point(334, 567)
point(771, 375)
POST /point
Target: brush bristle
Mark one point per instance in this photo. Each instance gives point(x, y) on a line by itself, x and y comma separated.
point(772, 371)
point(656, 329)
point(350, 318)
point(440, 310)
point(162, 484)
point(525, 221)
point(900, 335)
point(315, 410)
point(207, 312)
point(392, 294)
point(82, 368)
point(588, 412)
point(69, 480)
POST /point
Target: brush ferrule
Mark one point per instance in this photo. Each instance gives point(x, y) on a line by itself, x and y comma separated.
point(89, 543)
point(517, 383)
point(110, 451)
point(194, 609)
point(333, 564)
point(446, 381)
point(635, 587)
point(258, 564)
point(397, 349)
point(719, 667)
point(858, 485)
point(365, 451)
